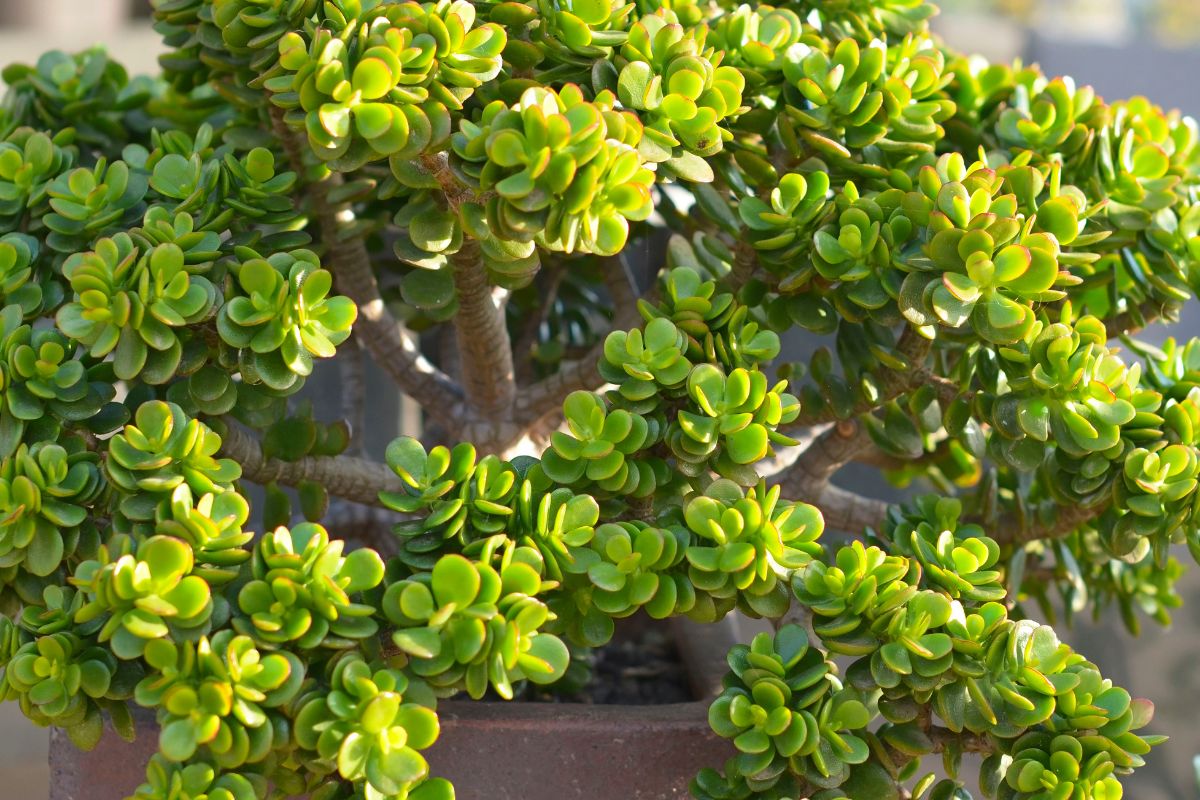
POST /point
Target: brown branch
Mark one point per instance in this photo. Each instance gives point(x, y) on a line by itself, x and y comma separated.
point(745, 262)
point(485, 351)
point(947, 390)
point(874, 457)
point(454, 190)
point(348, 477)
point(785, 457)
point(484, 347)
point(1140, 316)
point(390, 345)
point(837, 446)
point(971, 742)
point(546, 396)
point(622, 289)
point(808, 480)
point(1062, 520)
point(942, 739)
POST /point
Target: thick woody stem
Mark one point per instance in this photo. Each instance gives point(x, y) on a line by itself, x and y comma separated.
point(485, 351)
point(348, 477)
point(745, 261)
point(454, 190)
point(546, 396)
point(1017, 529)
point(1134, 319)
point(808, 480)
point(484, 346)
point(390, 345)
point(839, 445)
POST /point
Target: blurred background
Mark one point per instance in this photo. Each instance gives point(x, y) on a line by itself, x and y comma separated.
point(1121, 47)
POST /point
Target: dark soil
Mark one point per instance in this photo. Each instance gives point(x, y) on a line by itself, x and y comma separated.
point(640, 666)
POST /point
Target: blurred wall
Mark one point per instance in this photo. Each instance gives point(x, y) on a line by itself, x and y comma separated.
point(30, 27)
point(1162, 665)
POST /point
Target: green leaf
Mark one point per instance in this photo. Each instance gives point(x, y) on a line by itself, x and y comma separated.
point(45, 552)
point(314, 500)
point(177, 740)
point(407, 458)
point(455, 580)
point(691, 167)
point(420, 642)
point(277, 507)
point(353, 755)
point(1034, 417)
point(401, 766)
point(592, 12)
point(335, 119)
point(416, 601)
point(189, 596)
point(379, 712)
point(637, 87)
point(546, 660)
point(506, 148)
point(433, 789)
point(420, 722)
point(428, 289)
point(606, 576)
point(611, 234)
point(86, 733)
point(748, 445)
point(169, 559)
point(433, 231)
point(173, 176)
point(870, 782)
point(364, 570)
point(373, 78)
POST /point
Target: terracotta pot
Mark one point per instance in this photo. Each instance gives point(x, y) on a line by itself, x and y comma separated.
point(498, 751)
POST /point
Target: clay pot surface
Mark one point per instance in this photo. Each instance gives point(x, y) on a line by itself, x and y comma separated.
point(498, 751)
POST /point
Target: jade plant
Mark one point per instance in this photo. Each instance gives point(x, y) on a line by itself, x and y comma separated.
point(575, 234)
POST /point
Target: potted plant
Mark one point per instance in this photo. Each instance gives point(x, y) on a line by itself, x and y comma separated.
point(465, 192)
